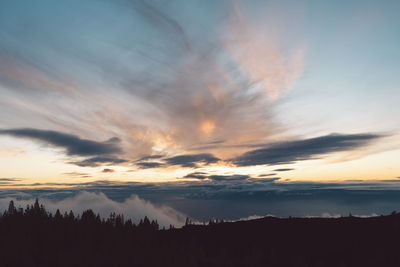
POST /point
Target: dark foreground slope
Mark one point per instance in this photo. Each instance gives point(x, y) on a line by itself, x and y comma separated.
point(34, 237)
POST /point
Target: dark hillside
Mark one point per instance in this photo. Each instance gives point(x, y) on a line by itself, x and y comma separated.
point(34, 237)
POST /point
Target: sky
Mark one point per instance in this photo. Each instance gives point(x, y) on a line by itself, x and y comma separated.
point(192, 98)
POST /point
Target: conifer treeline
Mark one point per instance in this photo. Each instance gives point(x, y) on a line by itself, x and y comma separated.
point(35, 237)
point(37, 212)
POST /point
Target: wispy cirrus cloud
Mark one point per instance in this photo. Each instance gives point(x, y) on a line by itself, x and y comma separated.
point(183, 83)
point(164, 87)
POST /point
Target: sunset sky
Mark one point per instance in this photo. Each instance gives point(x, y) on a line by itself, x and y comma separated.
point(208, 93)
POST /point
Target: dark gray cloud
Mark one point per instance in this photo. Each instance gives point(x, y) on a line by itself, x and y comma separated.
point(240, 181)
point(101, 152)
point(191, 160)
point(263, 180)
point(283, 170)
point(74, 145)
point(149, 165)
point(217, 178)
point(98, 161)
point(108, 170)
point(197, 175)
point(187, 160)
point(78, 174)
point(292, 151)
point(9, 179)
point(266, 174)
point(235, 177)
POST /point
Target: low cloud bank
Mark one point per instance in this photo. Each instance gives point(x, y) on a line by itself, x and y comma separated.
point(133, 207)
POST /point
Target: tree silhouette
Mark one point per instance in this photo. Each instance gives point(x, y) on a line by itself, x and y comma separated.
point(11, 209)
point(87, 240)
point(57, 216)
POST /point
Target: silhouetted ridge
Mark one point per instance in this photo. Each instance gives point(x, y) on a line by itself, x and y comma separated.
point(35, 237)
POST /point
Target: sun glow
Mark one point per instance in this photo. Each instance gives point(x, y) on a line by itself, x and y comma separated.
point(207, 127)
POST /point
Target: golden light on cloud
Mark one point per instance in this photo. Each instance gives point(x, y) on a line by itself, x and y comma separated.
point(215, 97)
point(207, 127)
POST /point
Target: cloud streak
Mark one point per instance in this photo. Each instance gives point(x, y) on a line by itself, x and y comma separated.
point(192, 160)
point(185, 161)
point(218, 178)
point(283, 170)
point(297, 150)
point(73, 145)
point(98, 161)
point(149, 165)
point(103, 152)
